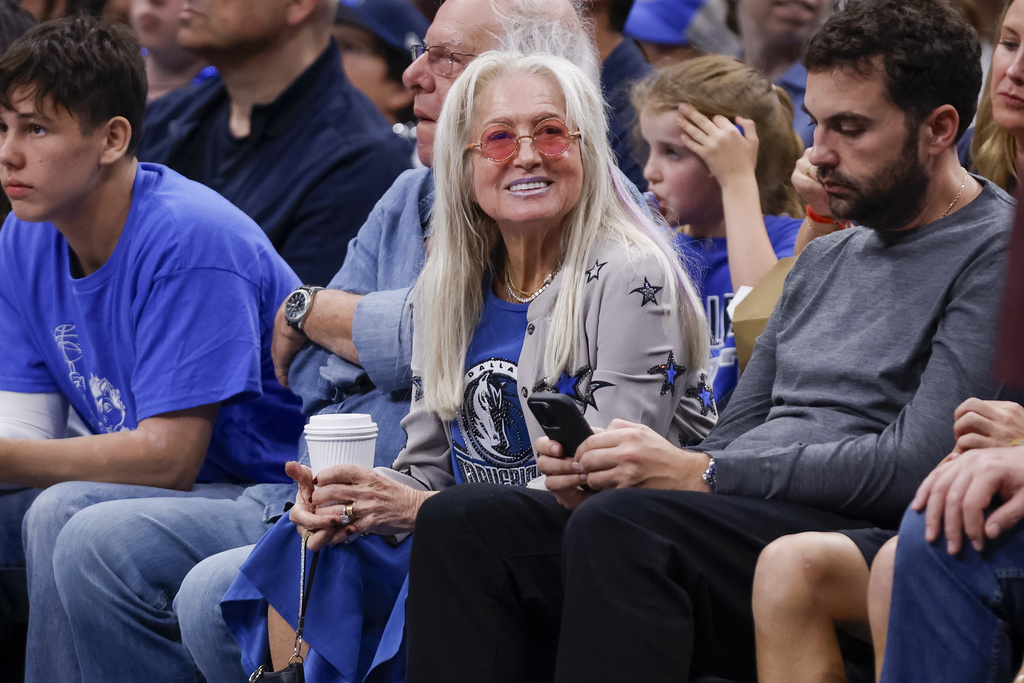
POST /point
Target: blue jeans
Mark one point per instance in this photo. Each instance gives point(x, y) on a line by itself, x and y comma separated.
point(105, 562)
point(955, 618)
point(203, 631)
point(14, 503)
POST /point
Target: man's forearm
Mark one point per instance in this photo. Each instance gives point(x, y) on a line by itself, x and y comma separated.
point(165, 451)
point(329, 322)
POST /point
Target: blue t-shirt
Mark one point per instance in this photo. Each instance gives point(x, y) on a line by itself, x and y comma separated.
point(181, 315)
point(490, 442)
point(707, 260)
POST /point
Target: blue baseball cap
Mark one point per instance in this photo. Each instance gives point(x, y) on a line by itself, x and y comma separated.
point(397, 22)
point(700, 23)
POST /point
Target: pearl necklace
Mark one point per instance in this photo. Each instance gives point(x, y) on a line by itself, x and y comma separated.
point(518, 295)
point(949, 208)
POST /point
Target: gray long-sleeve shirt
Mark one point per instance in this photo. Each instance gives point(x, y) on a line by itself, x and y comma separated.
point(848, 400)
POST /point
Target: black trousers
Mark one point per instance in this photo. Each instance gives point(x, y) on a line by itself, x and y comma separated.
point(644, 585)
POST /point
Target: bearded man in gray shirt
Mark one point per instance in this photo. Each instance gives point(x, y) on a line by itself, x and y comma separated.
point(881, 331)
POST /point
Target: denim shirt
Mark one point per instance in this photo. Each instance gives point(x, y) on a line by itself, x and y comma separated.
point(383, 263)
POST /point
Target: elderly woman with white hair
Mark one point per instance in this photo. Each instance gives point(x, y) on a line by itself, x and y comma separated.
point(544, 274)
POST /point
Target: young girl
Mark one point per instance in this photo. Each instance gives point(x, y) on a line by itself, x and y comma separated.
point(722, 152)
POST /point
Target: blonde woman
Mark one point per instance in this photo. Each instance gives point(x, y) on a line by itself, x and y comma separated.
point(544, 275)
point(999, 127)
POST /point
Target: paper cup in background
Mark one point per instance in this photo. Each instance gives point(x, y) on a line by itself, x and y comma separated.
point(340, 439)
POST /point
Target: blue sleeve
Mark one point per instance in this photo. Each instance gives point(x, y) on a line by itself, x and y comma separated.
point(782, 232)
point(382, 325)
point(382, 333)
point(197, 341)
point(24, 367)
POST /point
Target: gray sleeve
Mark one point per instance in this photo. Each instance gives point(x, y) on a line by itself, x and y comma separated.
point(874, 475)
point(426, 458)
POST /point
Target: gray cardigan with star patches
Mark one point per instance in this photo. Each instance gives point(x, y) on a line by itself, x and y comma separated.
point(628, 365)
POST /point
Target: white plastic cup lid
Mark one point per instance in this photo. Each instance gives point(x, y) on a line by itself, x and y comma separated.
point(342, 420)
point(353, 424)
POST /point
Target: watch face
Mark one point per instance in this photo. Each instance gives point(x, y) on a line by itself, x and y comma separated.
point(296, 305)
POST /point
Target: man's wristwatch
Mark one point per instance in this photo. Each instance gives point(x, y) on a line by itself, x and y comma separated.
point(709, 476)
point(297, 305)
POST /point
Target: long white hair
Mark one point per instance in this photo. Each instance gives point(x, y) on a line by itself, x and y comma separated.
point(465, 241)
point(544, 27)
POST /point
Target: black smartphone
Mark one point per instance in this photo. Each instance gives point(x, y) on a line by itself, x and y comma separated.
point(561, 420)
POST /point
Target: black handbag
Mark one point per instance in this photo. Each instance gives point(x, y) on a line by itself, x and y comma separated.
point(292, 673)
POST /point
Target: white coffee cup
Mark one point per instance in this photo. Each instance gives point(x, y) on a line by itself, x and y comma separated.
point(340, 439)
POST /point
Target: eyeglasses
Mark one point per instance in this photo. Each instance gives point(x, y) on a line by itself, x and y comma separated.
point(440, 58)
point(499, 142)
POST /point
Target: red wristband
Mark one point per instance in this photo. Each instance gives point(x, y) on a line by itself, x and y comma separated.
point(826, 220)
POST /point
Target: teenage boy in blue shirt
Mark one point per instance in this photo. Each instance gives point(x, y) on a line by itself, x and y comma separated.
point(143, 300)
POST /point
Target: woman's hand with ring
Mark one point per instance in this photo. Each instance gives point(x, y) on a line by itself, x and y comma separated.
point(372, 502)
point(323, 531)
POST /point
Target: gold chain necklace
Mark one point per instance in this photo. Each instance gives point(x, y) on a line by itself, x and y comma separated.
point(519, 295)
point(949, 208)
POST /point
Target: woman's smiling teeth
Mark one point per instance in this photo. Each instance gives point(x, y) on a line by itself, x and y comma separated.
point(528, 185)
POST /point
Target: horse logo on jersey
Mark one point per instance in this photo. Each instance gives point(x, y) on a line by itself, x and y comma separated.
point(496, 445)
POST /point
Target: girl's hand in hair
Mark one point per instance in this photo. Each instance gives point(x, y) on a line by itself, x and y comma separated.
point(729, 149)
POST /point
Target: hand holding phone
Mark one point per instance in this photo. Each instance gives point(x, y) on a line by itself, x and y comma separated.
point(561, 420)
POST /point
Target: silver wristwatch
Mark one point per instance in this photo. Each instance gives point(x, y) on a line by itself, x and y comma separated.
point(709, 476)
point(297, 305)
